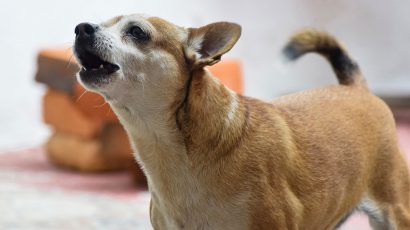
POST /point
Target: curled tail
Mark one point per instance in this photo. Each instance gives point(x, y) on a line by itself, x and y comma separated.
point(306, 41)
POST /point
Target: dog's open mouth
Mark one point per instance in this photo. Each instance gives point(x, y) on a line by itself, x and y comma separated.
point(95, 67)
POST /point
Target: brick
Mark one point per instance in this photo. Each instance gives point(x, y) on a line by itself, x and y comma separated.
point(93, 104)
point(110, 151)
point(230, 73)
point(60, 111)
point(70, 151)
point(57, 68)
point(115, 142)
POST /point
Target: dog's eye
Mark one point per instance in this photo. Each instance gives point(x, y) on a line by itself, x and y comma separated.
point(138, 33)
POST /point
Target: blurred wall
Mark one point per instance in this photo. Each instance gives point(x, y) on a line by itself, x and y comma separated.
point(376, 33)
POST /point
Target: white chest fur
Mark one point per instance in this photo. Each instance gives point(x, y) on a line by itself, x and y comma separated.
point(180, 199)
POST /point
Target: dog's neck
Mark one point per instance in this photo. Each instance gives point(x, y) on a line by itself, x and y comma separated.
point(212, 118)
point(206, 122)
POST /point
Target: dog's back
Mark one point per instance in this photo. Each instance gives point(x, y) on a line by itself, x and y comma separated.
point(346, 142)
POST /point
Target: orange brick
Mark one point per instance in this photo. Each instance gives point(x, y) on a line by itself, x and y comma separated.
point(230, 73)
point(93, 104)
point(115, 142)
point(70, 151)
point(57, 68)
point(60, 111)
point(111, 150)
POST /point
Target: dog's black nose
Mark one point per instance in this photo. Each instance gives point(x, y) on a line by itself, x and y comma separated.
point(85, 29)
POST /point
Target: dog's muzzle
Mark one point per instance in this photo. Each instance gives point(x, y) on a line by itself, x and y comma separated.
point(94, 68)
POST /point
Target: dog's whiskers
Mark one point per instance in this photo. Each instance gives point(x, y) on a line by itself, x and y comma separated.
point(109, 110)
point(70, 60)
point(99, 106)
point(78, 99)
point(71, 56)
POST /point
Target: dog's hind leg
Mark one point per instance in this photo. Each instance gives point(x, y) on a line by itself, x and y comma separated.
point(385, 218)
point(388, 200)
point(378, 218)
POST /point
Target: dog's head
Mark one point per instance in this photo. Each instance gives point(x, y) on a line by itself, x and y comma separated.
point(137, 60)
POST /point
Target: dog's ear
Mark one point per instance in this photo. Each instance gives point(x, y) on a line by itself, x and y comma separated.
point(206, 45)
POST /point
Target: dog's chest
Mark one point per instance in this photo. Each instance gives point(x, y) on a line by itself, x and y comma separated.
point(181, 200)
point(181, 196)
point(192, 210)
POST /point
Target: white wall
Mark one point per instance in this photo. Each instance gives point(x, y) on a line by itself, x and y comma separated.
point(376, 32)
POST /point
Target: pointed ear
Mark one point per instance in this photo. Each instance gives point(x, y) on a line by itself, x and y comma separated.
point(207, 44)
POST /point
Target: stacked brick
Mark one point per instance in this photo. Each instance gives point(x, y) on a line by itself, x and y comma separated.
point(86, 133)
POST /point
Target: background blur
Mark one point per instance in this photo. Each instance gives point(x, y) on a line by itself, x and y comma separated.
point(375, 32)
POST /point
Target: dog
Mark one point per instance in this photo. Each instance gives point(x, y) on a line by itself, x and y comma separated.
point(218, 160)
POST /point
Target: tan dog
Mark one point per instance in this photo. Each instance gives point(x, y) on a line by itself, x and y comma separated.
point(218, 160)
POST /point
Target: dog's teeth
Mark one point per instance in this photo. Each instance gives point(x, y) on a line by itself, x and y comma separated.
point(84, 69)
point(101, 66)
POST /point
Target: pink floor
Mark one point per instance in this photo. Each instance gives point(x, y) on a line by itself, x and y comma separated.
point(27, 179)
point(47, 176)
